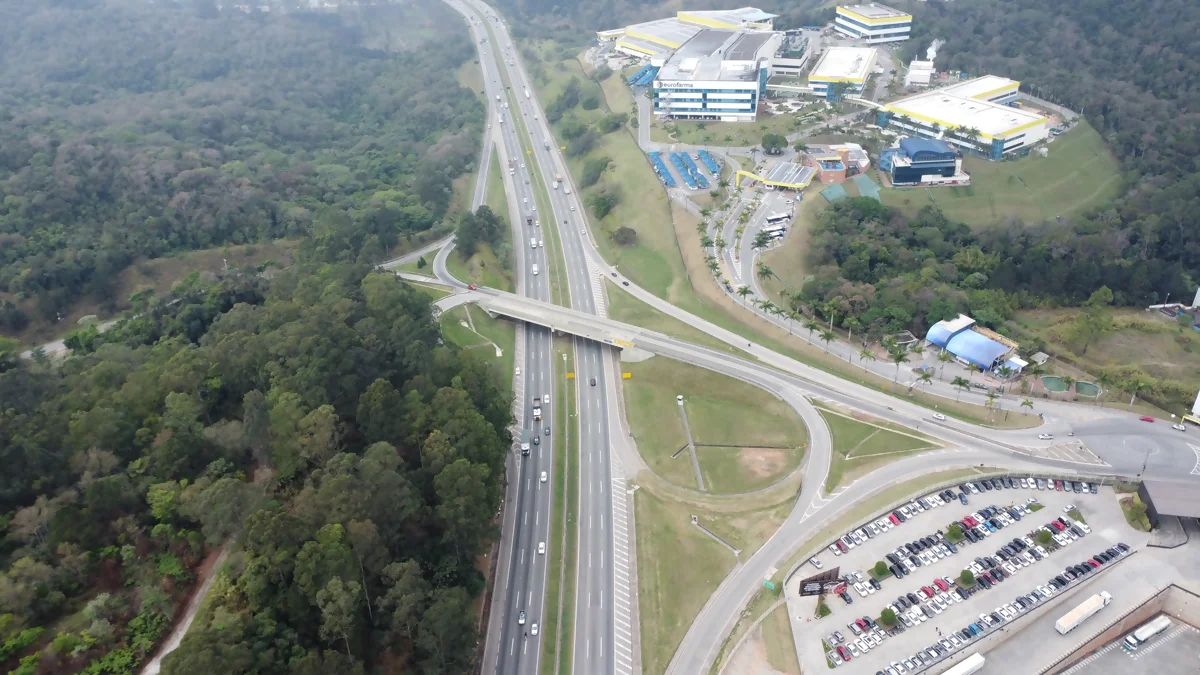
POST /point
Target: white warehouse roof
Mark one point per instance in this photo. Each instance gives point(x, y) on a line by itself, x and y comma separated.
point(844, 64)
point(991, 119)
point(981, 87)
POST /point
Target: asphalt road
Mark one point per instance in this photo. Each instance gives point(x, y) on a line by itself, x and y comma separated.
point(596, 648)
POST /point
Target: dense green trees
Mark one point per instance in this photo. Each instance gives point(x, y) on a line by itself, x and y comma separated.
point(891, 272)
point(320, 423)
point(132, 130)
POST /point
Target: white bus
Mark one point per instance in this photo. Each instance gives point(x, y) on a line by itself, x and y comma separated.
point(774, 228)
point(1147, 631)
point(778, 218)
point(972, 664)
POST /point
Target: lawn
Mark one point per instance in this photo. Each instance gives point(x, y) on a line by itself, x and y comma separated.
point(763, 437)
point(496, 198)
point(482, 335)
point(678, 568)
point(434, 292)
point(787, 261)
point(726, 134)
point(860, 447)
point(777, 636)
point(560, 555)
point(1079, 172)
point(625, 308)
point(488, 267)
point(1149, 341)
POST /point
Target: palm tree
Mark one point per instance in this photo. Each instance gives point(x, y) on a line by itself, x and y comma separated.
point(1068, 382)
point(720, 243)
point(706, 241)
point(800, 146)
point(742, 292)
point(792, 315)
point(925, 377)
point(1136, 385)
point(865, 355)
point(991, 399)
point(811, 325)
point(827, 337)
point(961, 384)
point(763, 271)
point(897, 356)
point(702, 227)
point(850, 325)
point(1026, 403)
point(943, 357)
point(1005, 372)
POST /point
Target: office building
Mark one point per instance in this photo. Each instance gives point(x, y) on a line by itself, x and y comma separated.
point(873, 23)
point(716, 75)
point(919, 161)
point(848, 65)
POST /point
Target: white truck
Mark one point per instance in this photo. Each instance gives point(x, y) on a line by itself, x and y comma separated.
point(537, 400)
point(525, 442)
point(1073, 618)
point(526, 93)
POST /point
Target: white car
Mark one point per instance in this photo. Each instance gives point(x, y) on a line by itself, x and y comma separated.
point(939, 417)
point(518, 371)
point(1178, 427)
point(572, 207)
point(525, 199)
point(1068, 508)
point(544, 476)
point(533, 629)
point(541, 243)
point(1045, 437)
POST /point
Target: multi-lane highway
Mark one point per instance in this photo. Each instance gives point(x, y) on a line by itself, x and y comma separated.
point(523, 138)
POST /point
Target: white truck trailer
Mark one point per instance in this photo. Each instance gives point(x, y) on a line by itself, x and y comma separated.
point(1073, 618)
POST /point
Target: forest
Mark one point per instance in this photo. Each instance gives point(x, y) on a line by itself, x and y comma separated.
point(313, 423)
point(132, 130)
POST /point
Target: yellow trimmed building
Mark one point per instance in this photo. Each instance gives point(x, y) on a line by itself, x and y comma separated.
point(659, 38)
point(873, 23)
point(972, 115)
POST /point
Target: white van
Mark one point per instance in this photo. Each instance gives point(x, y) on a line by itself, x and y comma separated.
point(533, 242)
point(535, 270)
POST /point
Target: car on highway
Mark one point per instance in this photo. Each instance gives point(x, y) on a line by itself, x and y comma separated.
point(547, 431)
point(1045, 437)
point(533, 629)
point(939, 417)
point(592, 381)
point(541, 548)
point(543, 476)
point(521, 618)
point(1146, 418)
point(537, 440)
point(1178, 427)
point(473, 287)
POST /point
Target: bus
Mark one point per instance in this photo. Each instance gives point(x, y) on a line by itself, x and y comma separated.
point(778, 218)
point(1147, 631)
point(774, 229)
point(972, 664)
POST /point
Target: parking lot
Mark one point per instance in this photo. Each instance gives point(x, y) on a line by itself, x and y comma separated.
point(940, 612)
point(1175, 652)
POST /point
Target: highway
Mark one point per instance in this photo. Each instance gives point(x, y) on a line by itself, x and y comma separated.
point(597, 648)
point(521, 570)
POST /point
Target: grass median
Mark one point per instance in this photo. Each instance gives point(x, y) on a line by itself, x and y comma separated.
point(746, 439)
point(489, 339)
point(557, 638)
point(861, 446)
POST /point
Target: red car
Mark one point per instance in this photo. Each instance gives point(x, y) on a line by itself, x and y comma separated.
point(894, 519)
point(843, 652)
point(861, 624)
point(1146, 418)
point(472, 287)
point(942, 585)
point(927, 591)
point(1057, 525)
point(970, 522)
point(841, 546)
point(1094, 564)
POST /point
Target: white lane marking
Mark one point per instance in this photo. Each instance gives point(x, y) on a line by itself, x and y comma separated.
point(522, 556)
point(512, 646)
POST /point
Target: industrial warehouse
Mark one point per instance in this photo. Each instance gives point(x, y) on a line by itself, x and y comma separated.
point(973, 115)
point(850, 66)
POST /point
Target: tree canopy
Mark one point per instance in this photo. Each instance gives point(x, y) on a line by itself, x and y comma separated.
point(133, 130)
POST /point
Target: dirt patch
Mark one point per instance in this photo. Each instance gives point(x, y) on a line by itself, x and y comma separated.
point(751, 657)
point(762, 462)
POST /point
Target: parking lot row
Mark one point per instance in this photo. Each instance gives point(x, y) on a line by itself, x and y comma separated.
point(926, 602)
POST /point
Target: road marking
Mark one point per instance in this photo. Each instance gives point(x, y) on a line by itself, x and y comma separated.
point(1196, 451)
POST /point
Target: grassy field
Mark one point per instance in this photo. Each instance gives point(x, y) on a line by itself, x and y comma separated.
point(484, 267)
point(1149, 341)
point(1078, 173)
point(861, 446)
point(486, 336)
point(787, 262)
point(728, 134)
point(628, 309)
point(721, 411)
point(434, 292)
point(679, 565)
point(777, 635)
